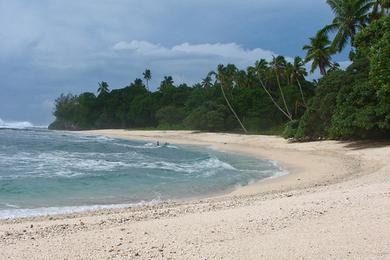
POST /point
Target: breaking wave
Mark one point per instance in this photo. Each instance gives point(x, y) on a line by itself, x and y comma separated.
point(15, 124)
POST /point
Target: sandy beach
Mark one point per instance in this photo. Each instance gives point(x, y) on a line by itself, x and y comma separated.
point(333, 204)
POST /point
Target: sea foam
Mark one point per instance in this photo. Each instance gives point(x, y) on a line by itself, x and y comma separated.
point(15, 124)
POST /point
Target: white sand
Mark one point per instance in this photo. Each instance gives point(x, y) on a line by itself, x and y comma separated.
point(334, 204)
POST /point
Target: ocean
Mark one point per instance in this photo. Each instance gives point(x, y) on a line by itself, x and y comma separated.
point(52, 172)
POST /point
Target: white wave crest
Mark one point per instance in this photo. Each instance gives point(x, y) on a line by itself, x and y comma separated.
point(65, 164)
point(15, 124)
point(207, 167)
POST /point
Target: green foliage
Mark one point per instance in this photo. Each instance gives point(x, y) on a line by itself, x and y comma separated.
point(210, 117)
point(380, 72)
point(170, 115)
point(316, 120)
point(201, 106)
point(350, 17)
point(354, 103)
point(319, 52)
point(363, 108)
point(290, 129)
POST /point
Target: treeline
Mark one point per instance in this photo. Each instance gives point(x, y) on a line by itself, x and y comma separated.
point(211, 105)
point(354, 103)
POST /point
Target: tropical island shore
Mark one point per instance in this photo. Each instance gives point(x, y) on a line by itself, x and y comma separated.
point(335, 203)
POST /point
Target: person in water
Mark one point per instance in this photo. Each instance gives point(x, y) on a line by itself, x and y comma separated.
point(158, 143)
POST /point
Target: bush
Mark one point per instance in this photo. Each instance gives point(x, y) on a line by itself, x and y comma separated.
point(290, 129)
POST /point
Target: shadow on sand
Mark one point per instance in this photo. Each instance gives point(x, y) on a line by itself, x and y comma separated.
point(362, 144)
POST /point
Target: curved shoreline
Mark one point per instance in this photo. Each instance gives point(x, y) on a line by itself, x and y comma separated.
point(335, 199)
point(299, 159)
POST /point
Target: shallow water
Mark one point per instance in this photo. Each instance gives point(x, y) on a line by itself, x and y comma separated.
point(49, 172)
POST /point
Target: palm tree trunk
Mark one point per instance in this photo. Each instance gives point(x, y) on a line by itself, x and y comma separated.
point(300, 88)
point(273, 101)
point(281, 92)
point(231, 109)
point(322, 69)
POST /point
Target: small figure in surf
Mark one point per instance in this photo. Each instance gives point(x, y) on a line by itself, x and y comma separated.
point(158, 143)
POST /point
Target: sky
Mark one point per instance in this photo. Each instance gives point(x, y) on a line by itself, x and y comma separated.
point(49, 47)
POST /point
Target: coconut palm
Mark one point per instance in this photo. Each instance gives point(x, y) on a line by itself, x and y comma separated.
point(224, 77)
point(206, 82)
point(166, 83)
point(278, 65)
point(261, 70)
point(138, 83)
point(289, 70)
point(241, 78)
point(298, 72)
point(147, 76)
point(103, 88)
point(379, 9)
point(319, 53)
point(385, 4)
point(350, 17)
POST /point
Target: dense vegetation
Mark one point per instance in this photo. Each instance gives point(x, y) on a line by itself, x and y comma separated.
point(354, 103)
point(201, 106)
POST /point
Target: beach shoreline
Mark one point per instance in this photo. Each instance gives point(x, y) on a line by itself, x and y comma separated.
point(335, 198)
point(299, 160)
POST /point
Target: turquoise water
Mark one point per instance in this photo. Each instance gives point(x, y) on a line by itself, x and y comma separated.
point(48, 172)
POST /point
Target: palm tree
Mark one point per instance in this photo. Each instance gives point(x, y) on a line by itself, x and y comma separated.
point(166, 83)
point(224, 75)
point(379, 9)
point(299, 72)
point(138, 83)
point(147, 76)
point(385, 4)
point(289, 70)
point(103, 88)
point(206, 82)
point(319, 52)
point(350, 17)
point(241, 78)
point(261, 70)
point(278, 65)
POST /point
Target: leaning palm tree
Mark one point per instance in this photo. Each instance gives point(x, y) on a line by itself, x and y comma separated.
point(319, 52)
point(147, 76)
point(103, 88)
point(278, 65)
point(299, 72)
point(223, 75)
point(350, 17)
point(261, 69)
